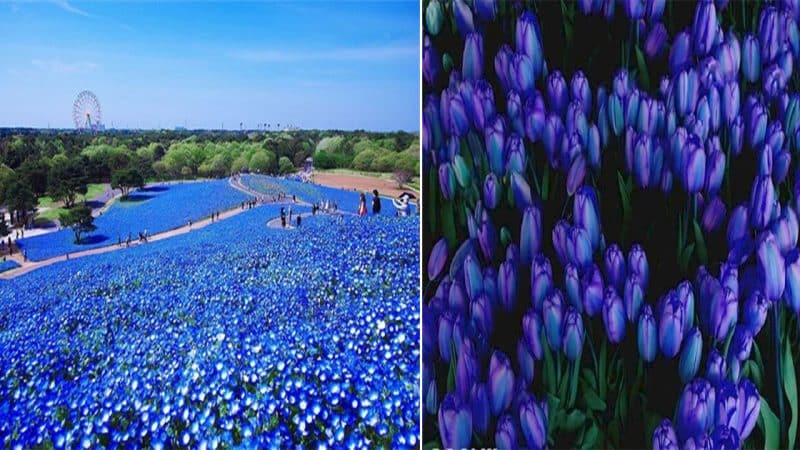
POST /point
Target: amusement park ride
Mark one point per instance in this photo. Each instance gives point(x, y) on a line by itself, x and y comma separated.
point(86, 112)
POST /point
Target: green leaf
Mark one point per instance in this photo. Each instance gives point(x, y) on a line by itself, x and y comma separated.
point(505, 236)
point(447, 62)
point(589, 379)
point(790, 386)
point(546, 182)
point(431, 445)
point(430, 203)
point(601, 372)
point(549, 365)
point(768, 423)
point(448, 225)
point(574, 420)
point(573, 382)
point(644, 77)
point(593, 401)
point(622, 402)
point(687, 255)
point(623, 193)
point(590, 438)
point(702, 253)
point(751, 371)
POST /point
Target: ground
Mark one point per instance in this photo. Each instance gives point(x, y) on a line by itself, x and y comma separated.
point(352, 180)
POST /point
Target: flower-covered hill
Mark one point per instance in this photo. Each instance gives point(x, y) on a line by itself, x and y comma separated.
point(233, 334)
point(153, 209)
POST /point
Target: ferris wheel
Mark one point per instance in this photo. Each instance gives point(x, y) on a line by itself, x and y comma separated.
point(86, 112)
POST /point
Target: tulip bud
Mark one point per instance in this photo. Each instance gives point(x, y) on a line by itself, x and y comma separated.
point(437, 259)
point(655, 40)
point(771, 270)
point(737, 225)
point(579, 247)
point(664, 437)
point(686, 92)
point(632, 108)
point(472, 64)
point(736, 134)
point(500, 383)
point(521, 74)
point(572, 285)
point(647, 335)
point(481, 314)
point(495, 145)
point(757, 125)
point(532, 329)
point(463, 16)
point(560, 236)
point(770, 33)
point(502, 62)
point(529, 40)
point(455, 422)
point(541, 280)
point(580, 91)
point(521, 191)
point(473, 278)
point(680, 54)
point(742, 343)
point(533, 421)
point(791, 294)
point(755, 312)
point(433, 19)
point(705, 29)
point(713, 215)
point(553, 313)
point(507, 285)
point(447, 180)
point(534, 116)
point(670, 324)
point(694, 170)
point(690, 356)
point(621, 84)
point(592, 290)
point(486, 9)
point(572, 334)
point(724, 313)
point(487, 236)
point(637, 263)
point(634, 296)
point(506, 435)
point(491, 191)
point(696, 409)
point(552, 136)
point(749, 407)
point(613, 315)
point(430, 58)
point(557, 96)
point(615, 267)
point(751, 58)
point(516, 159)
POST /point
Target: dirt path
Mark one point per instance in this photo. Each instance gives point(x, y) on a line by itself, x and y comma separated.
point(360, 183)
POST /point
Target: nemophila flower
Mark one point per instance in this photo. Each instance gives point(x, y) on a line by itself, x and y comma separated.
point(754, 314)
point(455, 422)
point(541, 280)
point(655, 40)
point(506, 435)
point(464, 19)
point(770, 264)
point(528, 39)
point(553, 314)
point(690, 355)
point(572, 334)
point(749, 407)
point(613, 315)
point(664, 437)
point(647, 334)
point(696, 409)
point(751, 58)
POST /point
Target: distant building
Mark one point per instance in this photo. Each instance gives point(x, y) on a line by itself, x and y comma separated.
point(309, 165)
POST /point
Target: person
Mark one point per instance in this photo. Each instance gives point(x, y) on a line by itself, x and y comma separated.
point(119, 240)
point(376, 202)
point(283, 218)
point(298, 221)
point(362, 205)
point(290, 214)
point(401, 204)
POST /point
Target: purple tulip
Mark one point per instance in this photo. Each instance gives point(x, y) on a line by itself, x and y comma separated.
point(495, 145)
point(634, 296)
point(791, 294)
point(641, 161)
point(487, 236)
point(473, 278)
point(481, 314)
point(505, 436)
point(572, 334)
point(637, 263)
point(507, 285)
point(447, 180)
point(725, 437)
point(686, 92)
point(521, 190)
point(690, 355)
point(486, 9)
point(552, 136)
point(529, 40)
point(751, 58)
point(685, 295)
point(727, 397)
point(464, 20)
point(592, 290)
point(680, 54)
point(437, 259)
point(755, 312)
point(713, 215)
point(730, 101)
point(749, 406)
point(553, 313)
point(736, 133)
point(472, 65)
point(723, 313)
point(560, 238)
point(715, 367)
point(491, 191)
point(771, 270)
point(521, 74)
point(647, 335)
point(655, 40)
point(693, 173)
point(757, 125)
point(531, 330)
point(479, 406)
point(516, 158)
point(455, 422)
point(696, 409)
point(572, 285)
point(664, 437)
point(541, 280)
point(533, 421)
point(534, 116)
point(634, 9)
point(500, 383)
point(785, 229)
point(670, 324)
point(613, 316)
point(580, 91)
point(615, 267)
point(431, 63)
point(557, 95)
point(502, 62)
point(579, 247)
point(770, 34)
point(742, 343)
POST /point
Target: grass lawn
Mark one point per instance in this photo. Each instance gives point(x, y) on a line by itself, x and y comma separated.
point(92, 191)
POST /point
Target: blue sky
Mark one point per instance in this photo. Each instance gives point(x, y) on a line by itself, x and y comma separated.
point(347, 65)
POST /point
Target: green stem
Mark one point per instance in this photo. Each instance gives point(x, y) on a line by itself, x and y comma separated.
point(778, 378)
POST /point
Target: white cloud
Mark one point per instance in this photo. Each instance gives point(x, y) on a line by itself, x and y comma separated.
point(338, 54)
point(60, 67)
point(66, 6)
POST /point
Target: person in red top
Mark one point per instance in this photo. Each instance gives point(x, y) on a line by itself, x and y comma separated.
point(362, 206)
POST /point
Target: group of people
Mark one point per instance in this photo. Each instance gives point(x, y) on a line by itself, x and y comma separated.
point(326, 206)
point(283, 217)
point(250, 204)
point(143, 237)
point(401, 204)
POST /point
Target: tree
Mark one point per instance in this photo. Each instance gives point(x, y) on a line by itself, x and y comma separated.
point(285, 165)
point(262, 161)
point(4, 231)
point(19, 198)
point(67, 180)
point(79, 219)
point(35, 170)
point(126, 179)
point(401, 177)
